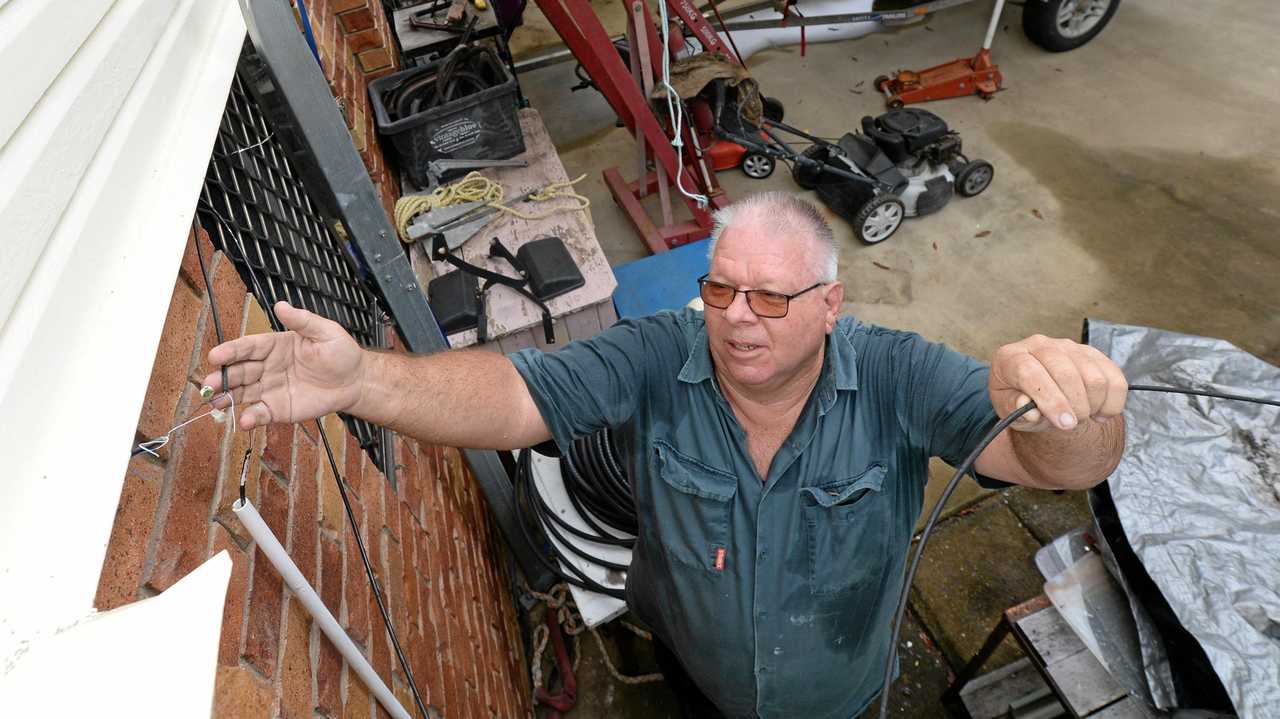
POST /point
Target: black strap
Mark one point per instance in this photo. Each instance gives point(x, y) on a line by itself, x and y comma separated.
point(441, 251)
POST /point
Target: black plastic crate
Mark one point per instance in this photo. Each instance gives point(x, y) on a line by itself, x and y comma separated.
point(483, 125)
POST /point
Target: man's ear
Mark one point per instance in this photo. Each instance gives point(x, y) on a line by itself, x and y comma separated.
point(834, 298)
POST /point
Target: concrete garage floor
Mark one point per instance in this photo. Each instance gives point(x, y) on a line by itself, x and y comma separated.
point(1137, 181)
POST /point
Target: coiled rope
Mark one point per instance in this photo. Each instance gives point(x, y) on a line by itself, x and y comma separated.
point(475, 187)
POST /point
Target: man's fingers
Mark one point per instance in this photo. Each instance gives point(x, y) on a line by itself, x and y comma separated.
point(1031, 419)
point(1117, 388)
point(1036, 380)
point(249, 347)
point(1095, 381)
point(239, 375)
point(256, 414)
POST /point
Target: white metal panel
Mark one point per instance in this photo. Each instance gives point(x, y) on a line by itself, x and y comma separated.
point(30, 43)
point(42, 164)
point(153, 658)
point(106, 209)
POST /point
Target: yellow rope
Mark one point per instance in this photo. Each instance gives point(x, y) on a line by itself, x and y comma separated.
point(475, 187)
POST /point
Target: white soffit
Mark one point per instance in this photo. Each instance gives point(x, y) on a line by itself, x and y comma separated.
point(101, 161)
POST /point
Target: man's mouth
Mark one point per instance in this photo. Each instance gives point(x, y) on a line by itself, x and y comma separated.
point(743, 346)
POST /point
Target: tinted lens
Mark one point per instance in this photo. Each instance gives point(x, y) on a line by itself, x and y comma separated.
point(717, 295)
point(767, 304)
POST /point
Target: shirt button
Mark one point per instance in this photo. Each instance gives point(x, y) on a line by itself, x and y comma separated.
point(762, 614)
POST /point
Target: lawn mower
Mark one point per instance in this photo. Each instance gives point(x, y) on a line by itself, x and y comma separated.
point(904, 163)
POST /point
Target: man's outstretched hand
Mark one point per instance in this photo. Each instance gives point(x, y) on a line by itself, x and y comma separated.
point(1070, 382)
point(311, 370)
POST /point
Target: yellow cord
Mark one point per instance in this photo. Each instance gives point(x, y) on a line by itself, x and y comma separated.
point(475, 187)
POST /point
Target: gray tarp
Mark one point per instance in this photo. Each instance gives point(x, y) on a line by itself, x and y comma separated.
point(1198, 493)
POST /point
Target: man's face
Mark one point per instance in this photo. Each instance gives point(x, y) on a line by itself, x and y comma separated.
point(766, 353)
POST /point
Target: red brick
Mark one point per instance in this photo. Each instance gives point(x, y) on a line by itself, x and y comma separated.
point(262, 630)
point(172, 360)
point(189, 271)
point(278, 451)
point(357, 582)
point(191, 490)
point(238, 694)
point(410, 578)
point(233, 612)
point(295, 667)
point(411, 482)
point(358, 42)
point(330, 586)
point(257, 321)
point(394, 586)
point(229, 291)
point(359, 702)
point(304, 529)
point(329, 673)
point(333, 515)
point(356, 20)
point(353, 466)
point(373, 60)
point(127, 549)
point(345, 5)
point(379, 646)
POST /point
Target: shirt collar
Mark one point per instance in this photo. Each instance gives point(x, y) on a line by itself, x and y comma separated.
point(839, 367)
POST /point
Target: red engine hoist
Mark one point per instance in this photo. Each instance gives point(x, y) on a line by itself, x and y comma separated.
point(627, 90)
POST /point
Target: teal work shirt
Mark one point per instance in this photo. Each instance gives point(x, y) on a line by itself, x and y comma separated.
point(775, 594)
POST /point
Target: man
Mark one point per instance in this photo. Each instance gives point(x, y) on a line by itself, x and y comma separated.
point(778, 454)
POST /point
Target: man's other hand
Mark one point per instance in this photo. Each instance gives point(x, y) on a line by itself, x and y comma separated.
point(311, 370)
point(1071, 383)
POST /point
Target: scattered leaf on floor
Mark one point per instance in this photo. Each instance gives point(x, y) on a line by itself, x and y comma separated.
point(856, 92)
point(1037, 214)
point(1057, 69)
point(853, 58)
point(926, 27)
point(883, 267)
point(860, 83)
point(935, 247)
point(984, 233)
point(1006, 28)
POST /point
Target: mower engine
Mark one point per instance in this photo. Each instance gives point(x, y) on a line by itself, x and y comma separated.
point(913, 164)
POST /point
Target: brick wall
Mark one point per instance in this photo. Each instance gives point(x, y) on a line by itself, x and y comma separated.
point(356, 45)
point(432, 543)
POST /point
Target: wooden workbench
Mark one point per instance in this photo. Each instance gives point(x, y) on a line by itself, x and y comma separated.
point(513, 321)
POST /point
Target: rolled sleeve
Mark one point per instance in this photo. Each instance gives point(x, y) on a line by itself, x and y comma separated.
point(595, 383)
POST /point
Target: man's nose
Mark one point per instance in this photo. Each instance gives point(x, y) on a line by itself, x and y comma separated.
point(739, 311)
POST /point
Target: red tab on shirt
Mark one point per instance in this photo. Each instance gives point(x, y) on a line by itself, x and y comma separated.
point(719, 559)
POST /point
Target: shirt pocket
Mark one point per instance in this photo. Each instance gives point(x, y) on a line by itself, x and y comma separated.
point(847, 526)
point(692, 514)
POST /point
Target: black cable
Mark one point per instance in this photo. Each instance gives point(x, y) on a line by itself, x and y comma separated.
point(950, 489)
point(337, 476)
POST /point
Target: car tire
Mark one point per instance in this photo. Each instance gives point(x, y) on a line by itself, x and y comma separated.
point(1062, 25)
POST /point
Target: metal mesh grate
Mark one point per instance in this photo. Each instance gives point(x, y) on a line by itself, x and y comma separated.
point(259, 213)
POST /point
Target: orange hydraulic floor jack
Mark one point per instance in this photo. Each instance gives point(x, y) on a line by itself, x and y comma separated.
point(957, 78)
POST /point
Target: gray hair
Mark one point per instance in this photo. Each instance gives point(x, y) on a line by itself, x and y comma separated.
point(781, 214)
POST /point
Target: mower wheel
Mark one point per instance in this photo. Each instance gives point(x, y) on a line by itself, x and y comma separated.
point(1061, 25)
point(807, 176)
point(974, 177)
point(879, 219)
point(757, 165)
point(896, 103)
point(773, 109)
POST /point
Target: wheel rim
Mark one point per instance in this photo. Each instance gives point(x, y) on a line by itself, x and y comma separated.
point(977, 180)
point(1078, 17)
point(882, 222)
point(756, 165)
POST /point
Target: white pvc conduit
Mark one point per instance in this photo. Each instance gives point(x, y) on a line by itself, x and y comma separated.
point(306, 594)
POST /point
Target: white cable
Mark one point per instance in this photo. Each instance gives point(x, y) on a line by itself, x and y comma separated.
point(674, 109)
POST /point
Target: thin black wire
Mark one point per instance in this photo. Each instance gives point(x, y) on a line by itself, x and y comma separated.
point(337, 477)
point(950, 489)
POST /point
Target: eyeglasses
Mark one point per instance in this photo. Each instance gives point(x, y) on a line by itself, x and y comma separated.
point(765, 303)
